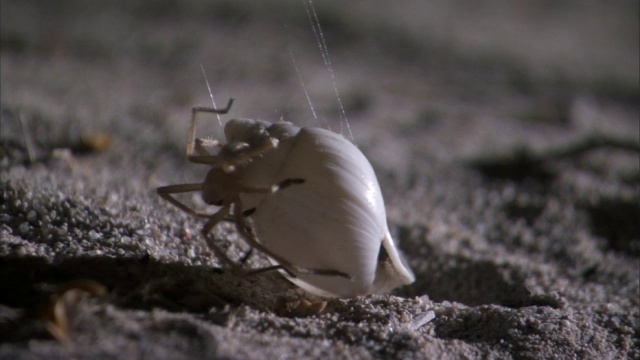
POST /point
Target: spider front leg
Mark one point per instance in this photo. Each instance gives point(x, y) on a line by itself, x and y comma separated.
point(191, 143)
point(166, 191)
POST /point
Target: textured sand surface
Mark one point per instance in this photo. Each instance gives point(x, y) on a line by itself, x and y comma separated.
point(505, 139)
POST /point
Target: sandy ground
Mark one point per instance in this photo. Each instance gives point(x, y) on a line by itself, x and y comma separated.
point(505, 139)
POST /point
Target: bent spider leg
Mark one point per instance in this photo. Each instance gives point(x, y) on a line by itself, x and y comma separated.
point(213, 221)
point(192, 128)
point(220, 254)
point(205, 157)
point(284, 264)
point(246, 256)
point(267, 269)
point(166, 191)
point(250, 238)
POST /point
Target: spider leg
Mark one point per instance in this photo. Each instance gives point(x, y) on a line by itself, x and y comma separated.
point(246, 256)
point(248, 235)
point(166, 191)
point(192, 128)
point(213, 221)
point(283, 264)
point(228, 165)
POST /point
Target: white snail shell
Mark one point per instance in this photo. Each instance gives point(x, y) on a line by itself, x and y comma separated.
point(335, 220)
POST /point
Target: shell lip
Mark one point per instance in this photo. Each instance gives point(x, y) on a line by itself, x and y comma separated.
point(404, 275)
